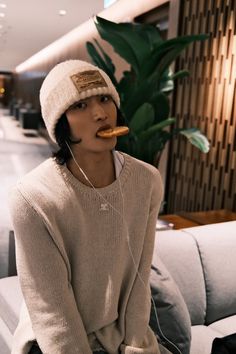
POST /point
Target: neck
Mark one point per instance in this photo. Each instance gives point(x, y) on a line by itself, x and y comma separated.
point(99, 168)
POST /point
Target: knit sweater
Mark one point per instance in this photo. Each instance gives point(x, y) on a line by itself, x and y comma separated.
point(77, 261)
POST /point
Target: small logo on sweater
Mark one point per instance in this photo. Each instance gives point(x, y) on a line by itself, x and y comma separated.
point(104, 207)
point(88, 80)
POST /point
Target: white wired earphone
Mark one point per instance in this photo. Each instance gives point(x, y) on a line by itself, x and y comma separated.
point(127, 238)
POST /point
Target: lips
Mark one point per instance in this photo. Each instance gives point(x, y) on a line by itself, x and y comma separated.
point(104, 127)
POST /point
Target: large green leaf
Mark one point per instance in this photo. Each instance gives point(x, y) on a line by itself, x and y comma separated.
point(179, 75)
point(95, 56)
point(184, 40)
point(124, 38)
point(106, 57)
point(105, 64)
point(167, 81)
point(147, 150)
point(149, 33)
point(139, 94)
point(126, 85)
point(149, 133)
point(166, 52)
point(196, 138)
point(153, 35)
point(157, 143)
point(124, 143)
point(161, 66)
point(161, 105)
point(142, 119)
point(167, 60)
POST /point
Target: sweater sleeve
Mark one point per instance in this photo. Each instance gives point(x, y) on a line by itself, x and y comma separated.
point(43, 275)
point(137, 332)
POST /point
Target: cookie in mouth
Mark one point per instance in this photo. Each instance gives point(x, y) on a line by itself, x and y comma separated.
point(111, 132)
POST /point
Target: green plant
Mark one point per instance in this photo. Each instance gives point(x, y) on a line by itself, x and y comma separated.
point(144, 89)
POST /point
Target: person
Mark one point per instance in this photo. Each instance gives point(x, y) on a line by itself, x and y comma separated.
point(84, 223)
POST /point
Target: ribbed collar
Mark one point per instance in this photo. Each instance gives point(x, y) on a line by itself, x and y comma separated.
point(122, 165)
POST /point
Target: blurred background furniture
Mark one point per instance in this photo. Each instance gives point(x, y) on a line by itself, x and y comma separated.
point(29, 118)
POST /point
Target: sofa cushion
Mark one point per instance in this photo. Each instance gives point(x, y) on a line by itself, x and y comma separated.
point(179, 252)
point(173, 317)
point(5, 338)
point(10, 301)
point(202, 338)
point(217, 248)
point(225, 326)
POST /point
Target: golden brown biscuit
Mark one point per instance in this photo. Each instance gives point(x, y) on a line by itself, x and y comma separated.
point(109, 133)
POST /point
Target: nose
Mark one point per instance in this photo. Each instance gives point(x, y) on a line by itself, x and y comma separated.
point(98, 112)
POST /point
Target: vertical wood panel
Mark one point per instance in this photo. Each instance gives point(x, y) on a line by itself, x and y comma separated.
point(206, 100)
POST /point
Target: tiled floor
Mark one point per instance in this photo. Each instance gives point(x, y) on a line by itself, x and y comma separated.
point(18, 155)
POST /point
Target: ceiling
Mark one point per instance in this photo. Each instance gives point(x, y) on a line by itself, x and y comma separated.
point(30, 25)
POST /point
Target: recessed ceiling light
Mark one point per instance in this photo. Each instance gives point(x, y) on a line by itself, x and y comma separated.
point(3, 6)
point(2, 14)
point(1, 26)
point(62, 12)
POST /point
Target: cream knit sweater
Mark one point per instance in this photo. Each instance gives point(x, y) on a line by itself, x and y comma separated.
point(77, 274)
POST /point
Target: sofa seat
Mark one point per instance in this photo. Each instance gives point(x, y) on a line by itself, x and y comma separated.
point(202, 338)
point(5, 338)
point(10, 304)
point(225, 325)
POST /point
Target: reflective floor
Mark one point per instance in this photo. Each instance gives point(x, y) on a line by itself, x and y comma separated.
point(20, 152)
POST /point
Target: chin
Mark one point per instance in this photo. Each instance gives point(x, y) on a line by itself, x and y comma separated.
point(106, 147)
point(107, 142)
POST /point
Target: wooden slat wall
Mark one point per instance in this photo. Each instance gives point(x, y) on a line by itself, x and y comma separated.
point(206, 100)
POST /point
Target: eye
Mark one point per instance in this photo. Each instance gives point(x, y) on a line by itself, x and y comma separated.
point(105, 98)
point(79, 105)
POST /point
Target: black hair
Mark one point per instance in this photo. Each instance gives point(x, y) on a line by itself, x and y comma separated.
point(62, 134)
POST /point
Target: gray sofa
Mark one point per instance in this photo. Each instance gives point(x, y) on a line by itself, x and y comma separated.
point(193, 285)
point(201, 261)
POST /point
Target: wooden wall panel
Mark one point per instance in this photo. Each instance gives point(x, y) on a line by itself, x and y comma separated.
point(206, 100)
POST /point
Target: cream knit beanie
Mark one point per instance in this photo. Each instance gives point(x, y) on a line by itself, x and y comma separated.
point(69, 82)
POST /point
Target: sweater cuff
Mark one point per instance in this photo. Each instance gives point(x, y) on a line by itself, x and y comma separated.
point(150, 345)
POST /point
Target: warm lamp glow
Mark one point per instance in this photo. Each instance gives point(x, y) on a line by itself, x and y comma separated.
point(62, 12)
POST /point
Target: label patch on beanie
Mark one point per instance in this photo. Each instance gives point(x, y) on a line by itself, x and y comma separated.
point(88, 80)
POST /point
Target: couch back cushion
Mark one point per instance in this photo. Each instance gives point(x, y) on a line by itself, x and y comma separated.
point(217, 248)
point(179, 252)
point(169, 316)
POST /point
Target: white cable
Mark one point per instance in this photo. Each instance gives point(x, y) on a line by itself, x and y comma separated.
point(127, 238)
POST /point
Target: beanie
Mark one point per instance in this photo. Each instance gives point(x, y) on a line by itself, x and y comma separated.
point(69, 82)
